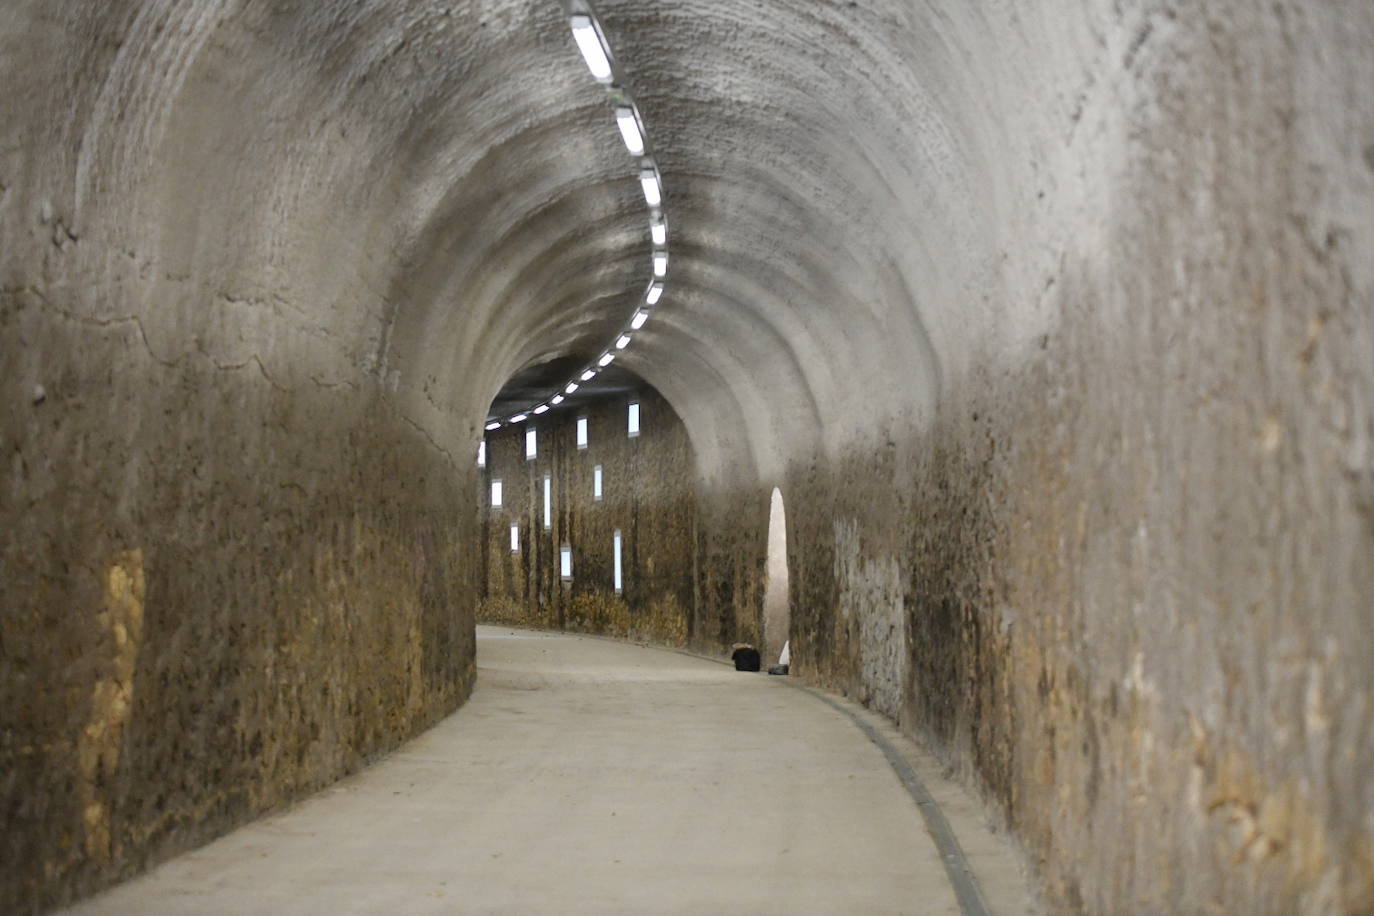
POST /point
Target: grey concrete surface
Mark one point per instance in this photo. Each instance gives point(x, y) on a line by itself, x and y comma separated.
point(591, 776)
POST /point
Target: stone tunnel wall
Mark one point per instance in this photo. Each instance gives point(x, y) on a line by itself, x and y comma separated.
point(1129, 566)
point(235, 558)
point(691, 576)
point(219, 593)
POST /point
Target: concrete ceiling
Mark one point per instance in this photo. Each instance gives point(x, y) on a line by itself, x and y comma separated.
point(453, 179)
point(865, 198)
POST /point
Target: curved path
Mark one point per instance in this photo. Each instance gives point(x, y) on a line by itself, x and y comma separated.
point(589, 776)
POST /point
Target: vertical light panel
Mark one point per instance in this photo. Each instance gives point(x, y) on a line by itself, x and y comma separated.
point(633, 420)
point(514, 538)
point(496, 493)
point(581, 432)
point(482, 454)
point(565, 563)
point(531, 443)
point(619, 583)
point(596, 482)
point(548, 502)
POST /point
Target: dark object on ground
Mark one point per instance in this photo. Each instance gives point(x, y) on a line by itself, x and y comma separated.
point(746, 657)
point(778, 669)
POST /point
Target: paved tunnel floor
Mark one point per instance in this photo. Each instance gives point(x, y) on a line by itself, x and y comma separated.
point(589, 776)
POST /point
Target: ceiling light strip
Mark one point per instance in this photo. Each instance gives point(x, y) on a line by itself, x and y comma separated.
point(596, 52)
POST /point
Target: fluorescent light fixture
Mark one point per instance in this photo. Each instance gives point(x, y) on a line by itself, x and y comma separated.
point(658, 229)
point(514, 538)
point(588, 38)
point(571, 387)
point(589, 375)
point(496, 493)
point(641, 316)
point(548, 502)
point(628, 122)
point(542, 408)
point(660, 263)
point(654, 294)
point(622, 342)
point(520, 418)
point(653, 192)
point(596, 482)
point(605, 359)
point(491, 426)
point(619, 581)
point(557, 399)
point(632, 420)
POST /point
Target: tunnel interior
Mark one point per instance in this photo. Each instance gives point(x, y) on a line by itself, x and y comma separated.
point(1054, 323)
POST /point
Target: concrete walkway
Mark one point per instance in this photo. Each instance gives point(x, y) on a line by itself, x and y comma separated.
point(587, 776)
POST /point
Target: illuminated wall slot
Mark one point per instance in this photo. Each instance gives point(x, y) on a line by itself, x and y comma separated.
point(548, 502)
point(619, 584)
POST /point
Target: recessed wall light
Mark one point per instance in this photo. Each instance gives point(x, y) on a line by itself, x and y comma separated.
point(641, 316)
point(618, 579)
point(622, 342)
point(654, 294)
point(548, 502)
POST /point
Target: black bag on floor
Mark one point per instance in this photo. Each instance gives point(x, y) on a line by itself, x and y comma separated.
point(746, 657)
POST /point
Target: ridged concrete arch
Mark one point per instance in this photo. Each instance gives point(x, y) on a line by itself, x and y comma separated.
point(493, 221)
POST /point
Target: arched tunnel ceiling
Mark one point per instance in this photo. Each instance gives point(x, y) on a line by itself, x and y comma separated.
point(807, 176)
point(452, 178)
